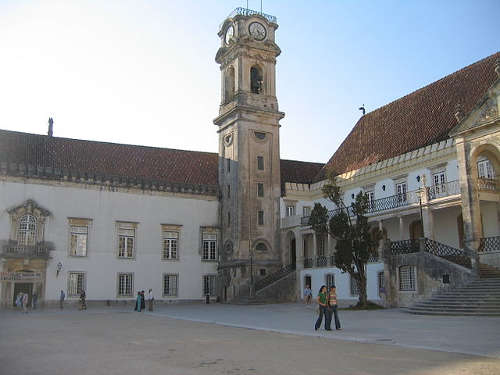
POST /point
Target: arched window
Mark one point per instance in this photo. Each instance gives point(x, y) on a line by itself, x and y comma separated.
point(261, 246)
point(485, 169)
point(229, 85)
point(26, 230)
point(256, 80)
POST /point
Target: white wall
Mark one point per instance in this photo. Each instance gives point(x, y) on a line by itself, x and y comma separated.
point(342, 281)
point(489, 214)
point(105, 208)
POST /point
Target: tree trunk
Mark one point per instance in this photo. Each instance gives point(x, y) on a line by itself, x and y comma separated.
point(363, 300)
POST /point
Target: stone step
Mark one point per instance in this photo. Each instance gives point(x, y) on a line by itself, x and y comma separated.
point(456, 309)
point(452, 313)
point(495, 306)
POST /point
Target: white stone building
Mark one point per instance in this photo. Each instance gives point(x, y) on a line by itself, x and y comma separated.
point(115, 219)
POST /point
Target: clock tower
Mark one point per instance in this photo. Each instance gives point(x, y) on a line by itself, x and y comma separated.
point(249, 158)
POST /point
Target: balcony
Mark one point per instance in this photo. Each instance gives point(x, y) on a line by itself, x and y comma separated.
point(489, 185)
point(249, 12)
point(290, 221)
point(443, 190)
point(11, 249)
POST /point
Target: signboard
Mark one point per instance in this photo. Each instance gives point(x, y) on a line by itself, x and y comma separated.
point(20, 276)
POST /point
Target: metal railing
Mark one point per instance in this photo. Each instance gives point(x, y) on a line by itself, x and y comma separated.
point(489, 244)
point(487, 184)
point(249, 12)
point(443, 190)
point(447, 252)
point(377, 205)
point(439, 249)
point(321, 261)
point(308, 262)
point(273, 277)
point(12, 249)
point(404, 247)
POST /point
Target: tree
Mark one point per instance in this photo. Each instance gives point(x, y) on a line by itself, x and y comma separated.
point(348, 225)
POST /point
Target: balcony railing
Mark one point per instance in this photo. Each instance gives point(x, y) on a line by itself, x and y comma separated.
point(308, 262)
point(12, 250)
point(249, 12)
point(443, 190)
point(377, 205)
point(487, 184)
point(321, 261)
point(489, 244)
point(439, 249)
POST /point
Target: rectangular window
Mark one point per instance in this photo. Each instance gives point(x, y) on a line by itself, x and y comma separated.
point(170, 245)
point(229, 191)
point(126, 240)
point(260, 190)
point(76, 283)
point(260, 217)
point(306, 211)
point(406, 278)
point(209, 285)
point(290, 210)
point(329, 280)
point(170, 285)
point(321, 244)
point(371, 199)
point(209, 246)
point(228, 219)
point(485, 170)
point(125, 284)
point(401, 190)
point(439, 183)
point(354, 287)
point(260, 163)
point(228, 165)
point(79, 232)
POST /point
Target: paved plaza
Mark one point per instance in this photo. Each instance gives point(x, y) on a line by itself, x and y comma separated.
point(226, 339)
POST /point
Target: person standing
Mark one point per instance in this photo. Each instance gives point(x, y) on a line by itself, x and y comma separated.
point(322, 308)
point(332, 309)
point(25, 303)
point(138, 302)
point(62, 296)
point(307, 295)
point(19, 302)
point(143, 301)
point(34, 300)
point(150, 299)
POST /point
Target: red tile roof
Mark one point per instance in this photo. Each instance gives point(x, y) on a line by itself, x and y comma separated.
point(416, 120)
point(93, 158)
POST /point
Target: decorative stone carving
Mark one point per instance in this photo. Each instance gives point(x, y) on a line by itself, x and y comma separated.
point(488, 111)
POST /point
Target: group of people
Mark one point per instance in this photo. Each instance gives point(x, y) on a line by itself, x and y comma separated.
point(22, 301)
point(140, 303)
point(327, 301)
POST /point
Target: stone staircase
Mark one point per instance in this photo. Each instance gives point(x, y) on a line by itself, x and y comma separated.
point(275, 287)
point(480, 297)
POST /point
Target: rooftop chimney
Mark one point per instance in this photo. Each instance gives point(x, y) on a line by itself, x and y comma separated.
point(51, 127)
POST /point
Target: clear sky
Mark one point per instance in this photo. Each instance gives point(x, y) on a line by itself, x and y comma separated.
point(143, 72)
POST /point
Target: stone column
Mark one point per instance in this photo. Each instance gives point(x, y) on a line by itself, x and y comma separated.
point(428, 222)
point(401, 228)
point(470, 204)
point(315, 246)
point(381, 242)
point(299, 256)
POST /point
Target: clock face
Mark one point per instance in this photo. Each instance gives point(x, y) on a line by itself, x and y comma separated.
point(229, 34)
point(257, 30)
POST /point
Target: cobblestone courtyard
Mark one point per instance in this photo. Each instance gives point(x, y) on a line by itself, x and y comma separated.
point(280, 341)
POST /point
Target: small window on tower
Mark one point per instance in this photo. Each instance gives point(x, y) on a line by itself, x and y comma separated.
point(256, 81)
point(260, 217)
point(260, 190)
point(260, 163)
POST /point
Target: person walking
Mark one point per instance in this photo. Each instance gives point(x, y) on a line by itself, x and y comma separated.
point(307, 295)
point(62, 296)
point(34, 300)
point(150, 299)
point(332, 309)
point(25, 303)
point(83, 302)
point(19, 302)
point(143, 301)
point(322, 308)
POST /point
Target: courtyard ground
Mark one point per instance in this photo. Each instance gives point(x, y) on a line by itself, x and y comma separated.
point(280, 340)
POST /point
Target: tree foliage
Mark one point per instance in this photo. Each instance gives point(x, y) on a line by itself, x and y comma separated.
point(348, 225)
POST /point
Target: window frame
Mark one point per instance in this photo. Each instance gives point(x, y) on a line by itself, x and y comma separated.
point(260, 190)
point(78, 223)
point(260, 218)
point(118, 283)
point(209, 253)
point(126, 226)
point(212, 286)
point(353, 286)
point(260, 163)
point(411, 285)
point(164, 278)
point(27, 236)
point(69, 288)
